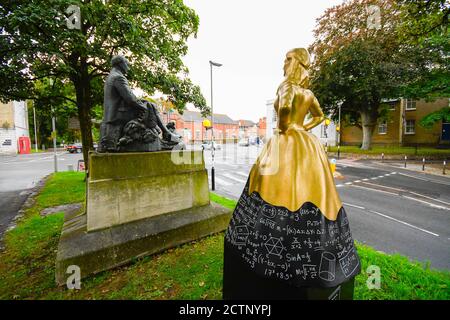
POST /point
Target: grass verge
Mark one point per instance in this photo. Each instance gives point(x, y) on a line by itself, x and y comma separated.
point(191, 271)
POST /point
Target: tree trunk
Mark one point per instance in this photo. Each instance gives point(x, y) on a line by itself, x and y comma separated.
point(368, 121)
point(84, 104)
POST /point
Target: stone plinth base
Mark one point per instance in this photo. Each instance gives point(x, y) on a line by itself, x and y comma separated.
point(104, 249)
point(125, 187)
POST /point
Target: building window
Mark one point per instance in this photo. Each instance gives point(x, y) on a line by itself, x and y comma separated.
point(382, 127)
point(410, 104)
point(392, 105)
point(197, 134)
point(410, 127)
point(275, 116)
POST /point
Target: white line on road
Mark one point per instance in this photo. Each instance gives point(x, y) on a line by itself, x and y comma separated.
point(347, 183)
point(428, 180)
point(355, 186)
point(353, 205)
point(403, 222)
point(242, 173)
point(233, 178)
point(222, 182)
point(428, 203)
point(365, 179)
point(357, 181)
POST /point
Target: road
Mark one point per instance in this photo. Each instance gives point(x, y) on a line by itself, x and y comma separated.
point(391, 209)
point(20, 173)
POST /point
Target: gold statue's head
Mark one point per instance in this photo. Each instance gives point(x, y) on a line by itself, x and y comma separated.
point(296, 66)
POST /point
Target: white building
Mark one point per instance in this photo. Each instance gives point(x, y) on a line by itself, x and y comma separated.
point(330, 136)
point(13, 125)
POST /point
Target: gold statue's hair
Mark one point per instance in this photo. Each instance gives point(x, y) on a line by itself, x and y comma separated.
point(302, 55)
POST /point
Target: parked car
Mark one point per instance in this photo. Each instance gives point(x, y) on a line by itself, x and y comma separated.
point(75, 148)
point(244, 142)
point(78, 147)
point(206, 145)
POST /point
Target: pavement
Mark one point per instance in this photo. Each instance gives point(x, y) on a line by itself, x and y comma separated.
point(391, 209)
point(20, 173)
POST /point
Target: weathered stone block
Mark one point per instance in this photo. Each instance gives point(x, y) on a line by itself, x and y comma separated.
point(125, 187)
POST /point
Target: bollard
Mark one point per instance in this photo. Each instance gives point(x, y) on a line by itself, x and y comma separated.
point(339, 152)
point(423, 164)
point(333, 165)
point(406, 158)
point(382, 157)
point(443, 169)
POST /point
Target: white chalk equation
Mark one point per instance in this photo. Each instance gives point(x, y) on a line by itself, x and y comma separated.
point(301, 247)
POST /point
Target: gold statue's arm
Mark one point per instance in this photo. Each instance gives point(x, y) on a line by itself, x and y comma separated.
point(317, 114)
point(283, 106)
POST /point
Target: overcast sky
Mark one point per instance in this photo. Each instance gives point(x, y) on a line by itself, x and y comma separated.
point(250, 38)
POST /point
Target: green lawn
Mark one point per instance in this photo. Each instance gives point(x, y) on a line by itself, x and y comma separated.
point(191, 271)
point(409, 151)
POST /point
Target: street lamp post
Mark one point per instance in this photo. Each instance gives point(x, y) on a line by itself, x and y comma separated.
point(339, 133)
point(55, 157)
point(211, 64)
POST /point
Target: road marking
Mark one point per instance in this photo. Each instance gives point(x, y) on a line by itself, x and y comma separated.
point(355, 186)
point(415, 193)
point(428, 180)
point(353, 205)
point(403, 222)
point(357, 181)
point(233, 178)
point(426, 202)
point(339, 185)
point(347, 183)
point(223, 182)
point(374, 178)
point(242, 173)
point(365, 179)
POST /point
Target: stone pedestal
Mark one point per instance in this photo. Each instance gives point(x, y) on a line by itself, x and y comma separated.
point(138, 204)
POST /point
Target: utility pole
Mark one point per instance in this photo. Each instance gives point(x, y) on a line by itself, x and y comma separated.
point(211, 64)
point(55, 157)
point(35, 128)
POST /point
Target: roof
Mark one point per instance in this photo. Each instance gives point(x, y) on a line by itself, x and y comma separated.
point(246, 123)
point(197, 117)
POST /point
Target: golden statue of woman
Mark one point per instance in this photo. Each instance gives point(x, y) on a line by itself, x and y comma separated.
point(293, 167)
point(289, 236)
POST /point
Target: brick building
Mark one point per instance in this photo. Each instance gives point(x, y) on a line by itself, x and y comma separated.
point(190, 126)
point(402, 126)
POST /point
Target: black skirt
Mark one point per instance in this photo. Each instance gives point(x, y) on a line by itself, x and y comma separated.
point(273, 253)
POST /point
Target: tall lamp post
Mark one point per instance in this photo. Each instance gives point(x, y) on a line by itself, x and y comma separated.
point(55, 157)
point(339, 133)
point(211, 64)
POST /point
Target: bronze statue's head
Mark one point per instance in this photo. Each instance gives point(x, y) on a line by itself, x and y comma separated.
point(121, 63)
point(296, 66)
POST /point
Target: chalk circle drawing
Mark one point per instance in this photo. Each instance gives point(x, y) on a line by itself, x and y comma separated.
point(327, 269)
point(274, 246)
point(268, 211)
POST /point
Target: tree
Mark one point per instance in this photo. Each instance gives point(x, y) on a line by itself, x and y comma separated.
point(37, 42)
point(426, 23)
point(360, 59)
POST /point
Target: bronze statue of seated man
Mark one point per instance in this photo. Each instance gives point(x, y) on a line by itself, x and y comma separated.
point(130, 124)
